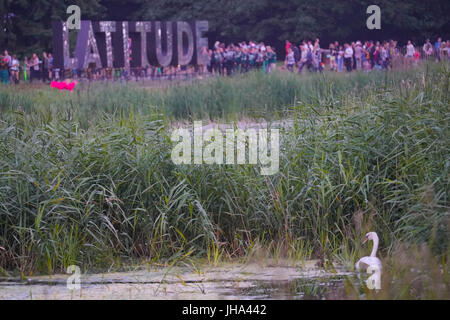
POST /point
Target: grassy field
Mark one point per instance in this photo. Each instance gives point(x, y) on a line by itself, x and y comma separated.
point(253, 95)
point(86, 177)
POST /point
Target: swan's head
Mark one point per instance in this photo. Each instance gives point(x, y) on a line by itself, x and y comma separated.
point(370, 236)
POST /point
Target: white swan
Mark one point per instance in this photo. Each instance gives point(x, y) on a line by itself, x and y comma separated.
point(371, 260)
point(371, 264)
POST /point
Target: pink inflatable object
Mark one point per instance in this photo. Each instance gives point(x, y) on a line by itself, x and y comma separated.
point(63, 85)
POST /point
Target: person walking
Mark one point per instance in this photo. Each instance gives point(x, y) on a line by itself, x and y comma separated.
point(438, 49)
point(410, 53)
point(340, 59)
point(290, 60)
point(271, 59)
point(229, 60)
point(287, 47)
point(353, 45)
point(33, 64)
point(4, 66)
point(358, 55)
point(306, 59)
point(14, 69)
point(427, 49)
point(384, 57)
point(348, 56)
point(332, 57)
point(50, 66)
point(296, 54)
point(216, 60)
point(7, 58)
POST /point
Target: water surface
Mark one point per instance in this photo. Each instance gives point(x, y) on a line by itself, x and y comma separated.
point(231, 281)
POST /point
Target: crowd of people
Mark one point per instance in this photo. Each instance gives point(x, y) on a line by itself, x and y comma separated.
point(243, 57)
point(360, 56)
point(33, 68)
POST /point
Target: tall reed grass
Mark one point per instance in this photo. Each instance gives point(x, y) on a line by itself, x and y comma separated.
point(255, 95)
point(86, 177)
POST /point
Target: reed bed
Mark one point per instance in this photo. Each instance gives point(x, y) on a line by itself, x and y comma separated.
point(86, 177)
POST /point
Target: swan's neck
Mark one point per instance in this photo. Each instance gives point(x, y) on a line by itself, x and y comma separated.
point(375, 247)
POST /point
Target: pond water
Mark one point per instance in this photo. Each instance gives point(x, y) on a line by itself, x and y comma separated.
point(232, 281)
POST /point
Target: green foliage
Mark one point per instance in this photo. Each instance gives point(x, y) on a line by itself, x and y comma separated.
point(86, 176)
point(29, 29)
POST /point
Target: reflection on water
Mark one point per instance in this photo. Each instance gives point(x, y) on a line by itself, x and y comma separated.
point(303, 288)
point(230, 282)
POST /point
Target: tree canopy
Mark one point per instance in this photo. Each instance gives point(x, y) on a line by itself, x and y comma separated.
point(26, 25)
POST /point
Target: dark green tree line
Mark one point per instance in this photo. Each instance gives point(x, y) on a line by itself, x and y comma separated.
point(26, 24)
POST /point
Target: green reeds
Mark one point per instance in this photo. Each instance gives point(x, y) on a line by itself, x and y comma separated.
point(86, 177)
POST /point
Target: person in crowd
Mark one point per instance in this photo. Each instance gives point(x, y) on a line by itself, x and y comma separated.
point(446, 50)
point(229, 59)
point(210, 63)
point(438, 49)
point(8, 61)
point(243, 57)
point(340, 59)
point(410, 52)
point(290, 60)
point(14, 69)
point(7, 58)
point(50, 66)
point(358, 55)
point(262, 47)
point(416, 57)
point(296, 51)
point(4, 66)
point(384, 57)
point(353, 45)
point(287, 47)
point(332, 57)
point(308, 60)
point(348, 56)
point(393, 53)
point(251, 58)
point(371, 50)
point(271, 59)
point(216, 61)
point(238, 59)
point(427, 49)
point(317, 58)
point(377, 57)
point(259, 58)
point(366, 61)
point(34, 65)
point(303, 57)
point(26, 69)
